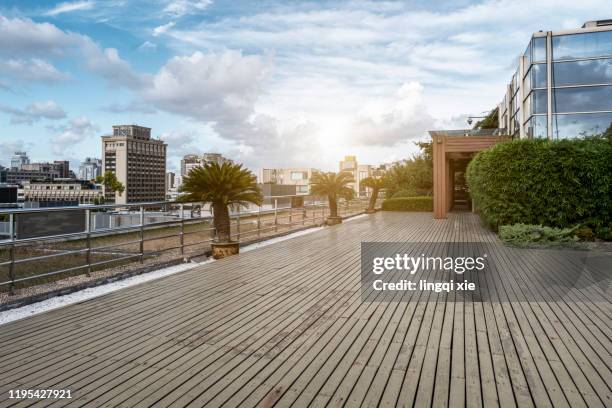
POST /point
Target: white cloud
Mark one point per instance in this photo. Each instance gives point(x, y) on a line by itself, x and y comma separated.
point(147, 46)
point(31, 70)
point(34, 112)
point(179, 8)
point(21, 36)
point(73, 132)
point(67, 7)
point(129, 107)
point(159, 30)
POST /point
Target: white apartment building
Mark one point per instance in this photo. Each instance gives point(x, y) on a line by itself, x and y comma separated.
point(296, 176)
point(360, 172)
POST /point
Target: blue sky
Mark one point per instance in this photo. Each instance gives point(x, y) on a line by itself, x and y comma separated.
point(267, 83)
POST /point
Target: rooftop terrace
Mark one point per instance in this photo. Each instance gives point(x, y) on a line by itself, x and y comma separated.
point(285, 325)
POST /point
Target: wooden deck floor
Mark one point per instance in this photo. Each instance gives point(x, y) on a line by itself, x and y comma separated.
point(284, 325)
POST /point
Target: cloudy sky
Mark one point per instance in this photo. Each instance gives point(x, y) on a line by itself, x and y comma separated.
point(268, 83)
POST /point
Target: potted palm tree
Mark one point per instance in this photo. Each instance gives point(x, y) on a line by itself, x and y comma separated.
point(224, 185)
point(376, 184)
point(333, 186)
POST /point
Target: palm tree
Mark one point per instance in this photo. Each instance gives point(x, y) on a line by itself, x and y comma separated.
point(221, 186)
point(376, 184)
point(334, 186)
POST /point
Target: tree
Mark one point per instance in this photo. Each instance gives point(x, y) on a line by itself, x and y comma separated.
point(376, 184)
point(221, 186)
point(110, 182)
point(333, 186)
point(491, 121)
point(414, 176)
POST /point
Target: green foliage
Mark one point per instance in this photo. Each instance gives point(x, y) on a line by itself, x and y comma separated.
point(525, 235)
point(408, 204)
point(110, 182)
point(376, 184)
point(491, 121)
point(333, 186)
point(413, 176)
point(221, 186)
point(225, 184)
point(557, 184)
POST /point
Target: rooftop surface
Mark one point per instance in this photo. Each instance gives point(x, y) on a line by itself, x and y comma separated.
point(285, 325)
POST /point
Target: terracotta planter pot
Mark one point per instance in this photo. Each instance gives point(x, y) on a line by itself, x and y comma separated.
point(224, 249)
point(334, 220)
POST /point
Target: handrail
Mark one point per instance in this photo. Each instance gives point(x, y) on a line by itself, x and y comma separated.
point(263, 220)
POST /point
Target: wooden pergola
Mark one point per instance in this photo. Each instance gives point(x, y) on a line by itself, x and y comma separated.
point(453, 146)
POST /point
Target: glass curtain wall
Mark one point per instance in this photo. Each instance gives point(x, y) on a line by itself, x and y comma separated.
point(580, 87)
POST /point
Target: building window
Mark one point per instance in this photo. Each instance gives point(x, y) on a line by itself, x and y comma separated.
point(302, 189)
point(299, 175)
point(582, 99)
point(581, 125)
point(582, 45)
point(537, 127)
point(538, 76)
point(587, 72)
point(539, 49)
point(539, 101)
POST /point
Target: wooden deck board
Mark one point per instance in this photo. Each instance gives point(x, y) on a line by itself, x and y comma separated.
point(285, 325)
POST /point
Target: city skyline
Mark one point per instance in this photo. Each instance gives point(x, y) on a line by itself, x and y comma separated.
point(268, 85)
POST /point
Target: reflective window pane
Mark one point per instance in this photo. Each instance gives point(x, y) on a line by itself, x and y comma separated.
point(595, 98)
point(538, 76)
point(537, 127)
point(539, 49)
point(528, 54)
point(539, 103)
point(582, 45)
point(586, 72)
point(581, 125)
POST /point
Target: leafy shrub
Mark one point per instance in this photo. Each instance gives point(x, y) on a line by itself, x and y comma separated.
point(585, 234)
point(558, 184)
point(408, 204)
point(407, 192)
point(535, 235)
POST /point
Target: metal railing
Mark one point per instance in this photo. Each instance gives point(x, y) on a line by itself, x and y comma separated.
point(76, 246)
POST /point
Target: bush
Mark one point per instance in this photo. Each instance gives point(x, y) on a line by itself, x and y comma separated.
point(558, 184)
point(408, 204)
point(536, 235)
point(409, 192)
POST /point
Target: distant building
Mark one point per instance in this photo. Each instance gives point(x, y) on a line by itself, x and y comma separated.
point(59, 191)
point(360, 172)
point(90, 168)
point(295, 176)
point(8, 195)
point(193, 160)
point(57, 169)
point(138, 162)
point(19, 159)
point(170, 177)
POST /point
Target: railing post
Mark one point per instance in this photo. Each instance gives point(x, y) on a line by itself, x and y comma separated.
point(182, 239)
point(12, 253)
point(141, 234)
point(275, 214)
point(290, 217)
point(238, 224)
point(88, 232)
point(259, 223)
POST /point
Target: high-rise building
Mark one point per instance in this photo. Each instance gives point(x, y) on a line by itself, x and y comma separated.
point(19, 159)
point(562, 87)
point(90, 168)
point(295, 176)
point(138, 162)
point(190, 161)
point(170, 176)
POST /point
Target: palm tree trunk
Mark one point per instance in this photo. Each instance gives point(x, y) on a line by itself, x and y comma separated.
point(333, 206)
point(221, 221)
point(373, 199)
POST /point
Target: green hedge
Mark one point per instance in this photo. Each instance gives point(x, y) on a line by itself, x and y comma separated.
point(558, 184)
point(408, 204)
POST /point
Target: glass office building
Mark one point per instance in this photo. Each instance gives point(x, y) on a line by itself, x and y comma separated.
point(562, 87)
